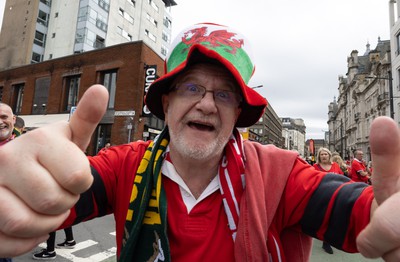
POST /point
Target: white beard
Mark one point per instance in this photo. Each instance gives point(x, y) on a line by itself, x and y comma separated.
point(197, 152)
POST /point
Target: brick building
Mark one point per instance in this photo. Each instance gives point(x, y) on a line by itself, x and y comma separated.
point(45, 92)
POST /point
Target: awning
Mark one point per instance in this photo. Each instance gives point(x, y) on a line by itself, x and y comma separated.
point(42, 120)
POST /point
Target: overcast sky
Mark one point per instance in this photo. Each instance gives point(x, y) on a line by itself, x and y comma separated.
point(300, 47)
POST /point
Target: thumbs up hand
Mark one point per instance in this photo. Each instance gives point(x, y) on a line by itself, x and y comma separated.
point(381, 238)
point(42, 174)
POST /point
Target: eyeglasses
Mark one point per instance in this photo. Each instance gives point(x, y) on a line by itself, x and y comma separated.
point(197, 92)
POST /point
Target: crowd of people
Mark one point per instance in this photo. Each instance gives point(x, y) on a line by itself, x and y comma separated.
point(261, 203)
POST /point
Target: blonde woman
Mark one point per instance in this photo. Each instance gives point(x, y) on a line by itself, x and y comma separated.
point(324, 162)
point(336, 158)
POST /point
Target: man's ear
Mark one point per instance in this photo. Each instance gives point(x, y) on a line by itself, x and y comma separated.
point(14, 119)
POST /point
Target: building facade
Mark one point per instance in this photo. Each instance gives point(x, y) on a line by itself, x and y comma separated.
point(48, 91)
point(364, 94)
point(268, 129)
point(294, 134)
point(394, 13)
point(35, 31)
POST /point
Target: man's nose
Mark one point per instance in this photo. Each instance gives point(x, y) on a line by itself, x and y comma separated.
point(208, 103)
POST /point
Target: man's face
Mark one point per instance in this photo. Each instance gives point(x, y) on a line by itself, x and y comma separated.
point(7, 120)
point(200, 127)
point(359, 155)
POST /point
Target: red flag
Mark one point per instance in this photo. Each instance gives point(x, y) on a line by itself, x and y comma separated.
point(312, 149)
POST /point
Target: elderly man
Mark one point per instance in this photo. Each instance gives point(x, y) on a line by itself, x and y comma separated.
point(198, 192)
point(359, 172)
point(7, 121)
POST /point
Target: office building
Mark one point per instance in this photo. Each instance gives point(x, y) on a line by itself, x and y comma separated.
point(36, 31)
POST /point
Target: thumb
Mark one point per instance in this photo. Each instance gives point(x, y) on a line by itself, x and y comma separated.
point(385, 148)
point(88, 114)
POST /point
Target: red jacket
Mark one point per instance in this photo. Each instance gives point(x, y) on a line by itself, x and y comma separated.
point(285, 201)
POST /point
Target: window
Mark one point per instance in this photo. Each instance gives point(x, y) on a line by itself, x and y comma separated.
point(150, 35)
point(50, 56)
point(53, 35)
point(121, 11)
point(56, 14)
point(109, 80)
point(39, 38)
point(151, 19)
point(132, 2)
point(105, 4)
point(71, 89)
point(155, 7)
point(17, 97)
point(398, 44)
point(166, 37)
point(36, 58)
point(128, 17)
point(164, 50)
point(103, 135)
point(40, 98)
point(167, 22)
point(80, 35)
point(42, 18)
point(99, 42)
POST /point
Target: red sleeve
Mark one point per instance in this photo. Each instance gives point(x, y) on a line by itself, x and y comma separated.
point(325, 206)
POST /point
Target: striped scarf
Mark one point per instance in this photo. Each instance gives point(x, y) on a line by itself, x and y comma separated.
point(145, 237)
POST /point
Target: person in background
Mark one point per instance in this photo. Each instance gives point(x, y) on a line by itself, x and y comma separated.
point(359, 172)
point(325, 164)
point(7, 121)
point(49, 252)
point(19, 126)
point(198, 176)
point(338, 159)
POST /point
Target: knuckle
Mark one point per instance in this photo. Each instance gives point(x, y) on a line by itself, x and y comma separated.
point(78, 181)
point(16, 225)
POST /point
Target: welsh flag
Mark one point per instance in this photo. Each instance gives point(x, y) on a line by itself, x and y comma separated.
point(227, 42)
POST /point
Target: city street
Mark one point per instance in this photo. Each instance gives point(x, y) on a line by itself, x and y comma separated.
point(96, 242)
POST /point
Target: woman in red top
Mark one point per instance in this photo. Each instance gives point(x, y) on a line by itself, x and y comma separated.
point(325, 164)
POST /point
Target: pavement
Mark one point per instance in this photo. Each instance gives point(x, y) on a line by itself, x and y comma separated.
point(319, 255)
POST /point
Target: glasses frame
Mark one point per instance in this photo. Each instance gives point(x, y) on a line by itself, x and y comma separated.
point(236, 101)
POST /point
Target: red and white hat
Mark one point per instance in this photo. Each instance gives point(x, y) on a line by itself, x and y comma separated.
point(216, 42)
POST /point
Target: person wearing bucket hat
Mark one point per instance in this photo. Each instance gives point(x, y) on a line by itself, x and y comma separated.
point(216, 43)
point(198, 192)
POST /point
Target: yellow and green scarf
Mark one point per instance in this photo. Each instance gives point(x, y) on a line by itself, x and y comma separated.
point(145, 237)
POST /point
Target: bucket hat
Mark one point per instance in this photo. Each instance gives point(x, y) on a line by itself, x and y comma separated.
point(212, 42)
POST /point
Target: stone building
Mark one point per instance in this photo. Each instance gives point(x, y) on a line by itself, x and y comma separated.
point(364, 94)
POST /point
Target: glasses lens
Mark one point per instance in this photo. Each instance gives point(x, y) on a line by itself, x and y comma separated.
point(225, 96)
point(195, 91)
point(190, 90)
